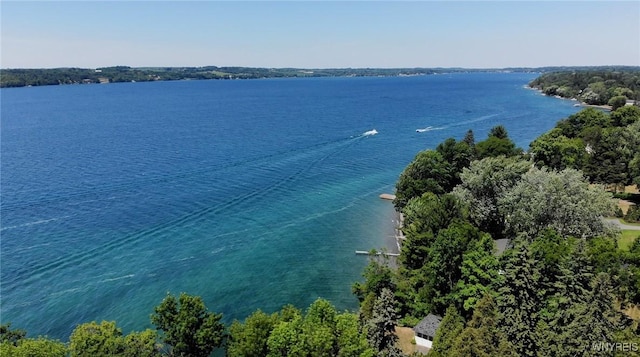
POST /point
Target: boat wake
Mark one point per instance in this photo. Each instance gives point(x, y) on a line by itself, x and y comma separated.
point(42, 221)
point(429, 128)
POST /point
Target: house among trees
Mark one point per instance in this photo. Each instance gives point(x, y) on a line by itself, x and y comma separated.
point(501, 245)
point(426, 329)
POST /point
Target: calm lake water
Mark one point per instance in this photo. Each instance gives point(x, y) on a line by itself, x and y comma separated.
point(251, 194)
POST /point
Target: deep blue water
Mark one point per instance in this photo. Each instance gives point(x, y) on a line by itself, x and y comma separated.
point(251, 194)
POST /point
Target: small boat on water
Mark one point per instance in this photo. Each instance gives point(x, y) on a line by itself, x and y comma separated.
point(370, 132)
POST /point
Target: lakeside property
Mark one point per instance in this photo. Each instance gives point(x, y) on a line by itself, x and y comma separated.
point(198, 186)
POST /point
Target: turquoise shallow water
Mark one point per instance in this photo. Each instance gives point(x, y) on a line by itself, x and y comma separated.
point(252, 194)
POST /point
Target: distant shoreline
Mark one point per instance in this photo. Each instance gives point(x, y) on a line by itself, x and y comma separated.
point(61, 76)
point(31, 77)
point(578, 103)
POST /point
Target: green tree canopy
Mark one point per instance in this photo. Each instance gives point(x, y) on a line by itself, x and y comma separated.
point(484, 184)
point(93, 339)
point(12, 336)
point(321, 332)
point(556, 151)
point(381, 327)
point(106, 339)
point(450, 327)
point(33, 347)
point(479, 274)
point(575, 124)
point(617, 101)
point(496, 144)
point(428, 172)
point(443, 269)
point(481, 336)
point(625, 116)
point(563, 201)
point(249, 339)
point(188, 327)
point(519, 299)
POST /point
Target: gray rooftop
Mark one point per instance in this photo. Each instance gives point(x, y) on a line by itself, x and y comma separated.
point(501, 245)
point(428, 325)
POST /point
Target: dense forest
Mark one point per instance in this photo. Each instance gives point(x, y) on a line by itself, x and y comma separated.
point(567, 283)
point(603, 146)
point(611, 86)
point(59, 76)
point(567, 280)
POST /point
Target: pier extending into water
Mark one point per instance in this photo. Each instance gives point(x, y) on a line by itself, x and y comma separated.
point(364, 252)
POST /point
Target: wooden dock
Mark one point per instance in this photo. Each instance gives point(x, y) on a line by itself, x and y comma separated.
point(364, 252)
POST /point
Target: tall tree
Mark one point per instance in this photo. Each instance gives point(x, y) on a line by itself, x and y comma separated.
point(556, 151)
point(563, 201)
point(381, 327)
point(625, 116)
point(586, 324)
point(552, 253)
point(443, 270)
point(450, 327)
point(319, 326)
point(630, 147)
point(350, 340)
point(499, 131)
point(141, 344)
point(378, 276)
point(428, 172)
point(93, 339)
point(431, 212)
point(608, 161)
point(30, 347)
point(287, 339)
point(189, 328)
point(469, 138)
point(458, 154)
point(249, 339)
point(496, 144)
point(479, 274)
point(519, 299)
point(482, 337)
point(575, 124)
point(9, 335)
point(483, 185)
point(106, 339)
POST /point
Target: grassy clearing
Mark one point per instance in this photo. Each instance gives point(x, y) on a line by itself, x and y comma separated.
point(405, 336)
point(405, 341)
point(624, 205)
point(626, 239)
point(633, 312)
point(628, 223)
point(631, 189)
point(630, 195)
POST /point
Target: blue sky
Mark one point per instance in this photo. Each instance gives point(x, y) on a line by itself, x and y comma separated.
point(478, 34)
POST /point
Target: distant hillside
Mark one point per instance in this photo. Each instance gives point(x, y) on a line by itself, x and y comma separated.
point(57, 76)
point(598, 86)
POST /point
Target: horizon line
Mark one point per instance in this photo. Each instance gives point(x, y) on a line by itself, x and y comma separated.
point(329, 68)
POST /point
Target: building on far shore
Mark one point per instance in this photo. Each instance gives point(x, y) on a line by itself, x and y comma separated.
point(426, 330)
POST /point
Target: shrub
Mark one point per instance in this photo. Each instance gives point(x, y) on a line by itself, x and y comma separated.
point(633, 214)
